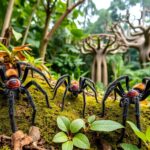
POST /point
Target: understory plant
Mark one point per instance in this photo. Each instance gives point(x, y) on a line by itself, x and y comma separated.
point(145, 137)
point(73, 133)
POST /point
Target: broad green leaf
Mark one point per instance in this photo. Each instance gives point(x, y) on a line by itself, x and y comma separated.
point(60, 137)
point(140, 134)
point(148, 134)
point(17, 35)
point(81, 141)
point(91, 119)
point(125, 146)
point(105, 125)
point(67, 145)
point(77, 32)
point(76, 125)
point(133, 126)
point(63, 123)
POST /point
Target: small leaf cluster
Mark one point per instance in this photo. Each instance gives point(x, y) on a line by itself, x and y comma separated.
point(70, 135)
point(73, 132)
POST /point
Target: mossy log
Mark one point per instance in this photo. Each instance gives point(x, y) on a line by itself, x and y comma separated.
point(46, 118)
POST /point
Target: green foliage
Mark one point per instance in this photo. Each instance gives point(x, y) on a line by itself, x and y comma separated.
point(63, 123)
point(101, 24)
point(125, 146)
point(73, 137)
point(105, 125)
point(60, 137)
point(81, 141)
point(74, 133)
point(145, 137)
point(118, 67)
point(76, 125)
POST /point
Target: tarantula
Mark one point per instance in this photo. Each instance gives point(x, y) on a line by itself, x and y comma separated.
point(139, 92)
point(75, 88)
point(11, 84)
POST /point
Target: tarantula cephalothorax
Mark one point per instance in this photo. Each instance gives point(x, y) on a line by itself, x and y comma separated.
point(75, 88)
point(132, 96)
point(11, 84)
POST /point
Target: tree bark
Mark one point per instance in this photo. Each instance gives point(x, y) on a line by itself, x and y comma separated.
point(144, 55)
point(104, 71)
point(7, 17)
point(48, 36)
point(44, 40)
point(98, 68)
point(93, 72)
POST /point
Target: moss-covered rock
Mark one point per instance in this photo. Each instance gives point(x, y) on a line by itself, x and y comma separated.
point(46, 118)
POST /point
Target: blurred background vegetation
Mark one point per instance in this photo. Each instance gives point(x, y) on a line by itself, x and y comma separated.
point(63, 55)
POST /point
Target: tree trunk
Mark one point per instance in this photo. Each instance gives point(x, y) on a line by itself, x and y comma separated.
point(44, 41)
point(98, 69)
point(144, 55)
point(104, 71)
point(48, 35)
point(93, 72)
point(7, 17)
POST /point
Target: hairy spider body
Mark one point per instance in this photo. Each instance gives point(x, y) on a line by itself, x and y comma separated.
point(11, 84)
point(132, 93)
point(133, 96)
point(75, 88)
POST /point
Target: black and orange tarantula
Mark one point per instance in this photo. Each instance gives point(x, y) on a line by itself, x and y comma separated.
point(138, 93)
point(75, 88)
point(11, 84)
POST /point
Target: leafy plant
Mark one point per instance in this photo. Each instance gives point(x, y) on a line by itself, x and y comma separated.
point(70, 136)
point(73, 133)
point(145, 137)
point(16, 53)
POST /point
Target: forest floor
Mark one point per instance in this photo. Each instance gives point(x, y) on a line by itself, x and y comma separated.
point(46, 118)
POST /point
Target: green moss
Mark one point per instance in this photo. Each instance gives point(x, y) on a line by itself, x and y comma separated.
point(46, 118)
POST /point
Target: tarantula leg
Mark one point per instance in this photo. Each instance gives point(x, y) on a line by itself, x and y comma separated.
point(2, 74)
point(62, 77)
point(19, 70)
point(93, 89)
point(57, 86)
point(137, 115)
point(36, 70)
point(40, 89)
point(84, 105)
point(31, 103)
point(11, 111)
point(63, 100)
point(125, 113)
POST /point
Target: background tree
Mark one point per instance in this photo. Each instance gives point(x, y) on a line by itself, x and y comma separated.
point(138, 36)
point(100, 45)
point(68, 7)
point(7, 17)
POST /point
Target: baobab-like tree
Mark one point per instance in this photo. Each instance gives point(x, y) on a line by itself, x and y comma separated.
point(100, 45)
point(136, 36)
